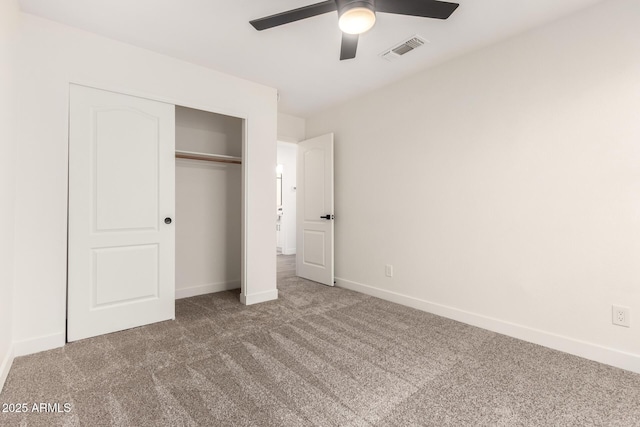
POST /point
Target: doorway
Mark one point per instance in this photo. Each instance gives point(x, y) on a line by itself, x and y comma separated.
point(286, 198)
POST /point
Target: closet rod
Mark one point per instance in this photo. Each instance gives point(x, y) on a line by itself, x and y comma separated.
point(192, 155)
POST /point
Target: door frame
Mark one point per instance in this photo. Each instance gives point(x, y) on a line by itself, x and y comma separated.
point(183, 103)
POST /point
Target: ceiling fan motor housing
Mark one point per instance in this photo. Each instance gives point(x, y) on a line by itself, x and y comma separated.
point(345, 5)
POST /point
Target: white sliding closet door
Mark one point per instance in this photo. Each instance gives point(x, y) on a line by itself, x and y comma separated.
point(121, 207)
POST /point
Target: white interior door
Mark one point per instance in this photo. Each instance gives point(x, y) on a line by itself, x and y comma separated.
point(314, 224)
point(121, 271)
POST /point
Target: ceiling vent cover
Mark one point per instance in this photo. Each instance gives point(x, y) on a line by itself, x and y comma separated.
point(403, 48)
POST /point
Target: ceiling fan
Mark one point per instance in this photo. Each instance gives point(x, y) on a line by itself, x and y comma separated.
point(358, 16)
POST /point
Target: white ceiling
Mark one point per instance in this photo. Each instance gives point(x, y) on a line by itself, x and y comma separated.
point(300, 59)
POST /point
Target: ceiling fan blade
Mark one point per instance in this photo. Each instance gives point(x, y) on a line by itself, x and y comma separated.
point(425, 8)
point(294, 15)
point(349, 46)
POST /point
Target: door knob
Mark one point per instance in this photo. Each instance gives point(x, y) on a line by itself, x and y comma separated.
point(167, 220)
point(326, 217)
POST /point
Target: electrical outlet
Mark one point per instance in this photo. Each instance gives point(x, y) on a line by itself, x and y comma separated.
point(388, 270)
point(621, 316)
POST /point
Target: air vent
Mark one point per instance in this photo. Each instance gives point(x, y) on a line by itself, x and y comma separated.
point(403, 48)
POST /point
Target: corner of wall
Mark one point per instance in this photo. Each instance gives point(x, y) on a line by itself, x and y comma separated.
point(26, 347)
point(207, 288)
point(38, 344)
point(5, 366)
point(9, 29)
point(291, 128)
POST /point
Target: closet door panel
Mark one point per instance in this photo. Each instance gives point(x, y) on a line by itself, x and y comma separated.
point(110, 287)
point(126, 146)
point(121, 189)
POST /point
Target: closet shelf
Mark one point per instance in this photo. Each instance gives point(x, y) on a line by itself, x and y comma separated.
point(192, 155)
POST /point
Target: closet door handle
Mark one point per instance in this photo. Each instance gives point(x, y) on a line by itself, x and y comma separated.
point(167, 220)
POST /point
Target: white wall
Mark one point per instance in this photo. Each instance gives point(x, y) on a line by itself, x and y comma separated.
point(9, 17)
point(51, 56)
point(208, 204)
point(287, 153)
point(291, 128)
point(504, 186)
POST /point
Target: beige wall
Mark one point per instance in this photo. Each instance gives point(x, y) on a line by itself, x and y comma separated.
point(9, 17)
point(504, 186)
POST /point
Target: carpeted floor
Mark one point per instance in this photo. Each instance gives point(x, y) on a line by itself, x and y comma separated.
point(318, 356)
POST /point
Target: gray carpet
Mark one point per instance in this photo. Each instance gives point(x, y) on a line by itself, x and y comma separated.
point(317, 356)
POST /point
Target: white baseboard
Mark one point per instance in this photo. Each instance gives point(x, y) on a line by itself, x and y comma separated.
point(5, 366)
point(209, 288)
point(35, 345)
point(609, 356)
point(289, 251)
point(259, 297)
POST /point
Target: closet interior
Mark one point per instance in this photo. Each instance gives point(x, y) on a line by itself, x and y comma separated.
point(208, 202)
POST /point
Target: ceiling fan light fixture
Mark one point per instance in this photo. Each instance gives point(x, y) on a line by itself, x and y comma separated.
point(358, 16)
point(357, 20)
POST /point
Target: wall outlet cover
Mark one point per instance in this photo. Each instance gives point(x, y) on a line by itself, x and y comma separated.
point(388, 270)
point(620, 316)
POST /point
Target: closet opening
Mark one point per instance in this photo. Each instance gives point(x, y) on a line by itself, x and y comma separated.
point(208, 189)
